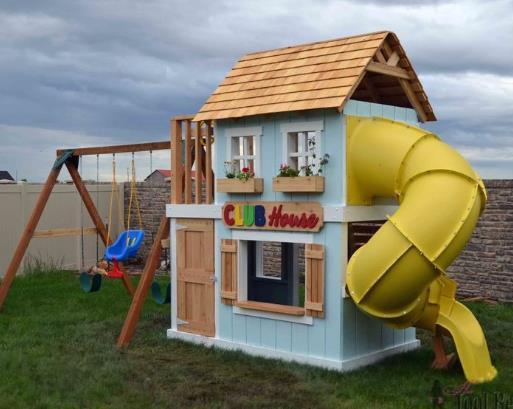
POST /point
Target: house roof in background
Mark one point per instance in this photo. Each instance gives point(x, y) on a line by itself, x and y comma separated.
point(166, 173)
point(317, 75)
point(5, 175)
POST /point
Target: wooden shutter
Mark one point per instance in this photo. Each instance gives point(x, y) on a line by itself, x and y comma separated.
point(314, 279)
point(228, 271)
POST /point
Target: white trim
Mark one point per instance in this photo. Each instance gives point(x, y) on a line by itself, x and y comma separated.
point(367, 213)
point(326, 363)
point(242, 266)
point(194, 211)
point(217, 283)
point(332, 213)
point(264, 235)
point(173, 274)
point(243, 131)
point(306, 320)
point(307, 126)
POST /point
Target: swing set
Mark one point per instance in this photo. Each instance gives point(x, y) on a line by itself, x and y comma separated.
point(128, 242)
point(196, 149)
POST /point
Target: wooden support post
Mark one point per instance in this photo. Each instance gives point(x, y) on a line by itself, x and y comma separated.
point(198, 157)
point(188, 163)
point(176, 162)
point(27, 234)
point(88, 201)
point(93, 213)
point(208, 166)
point(128, 330)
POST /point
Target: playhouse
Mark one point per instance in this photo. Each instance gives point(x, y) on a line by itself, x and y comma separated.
point(322, 219)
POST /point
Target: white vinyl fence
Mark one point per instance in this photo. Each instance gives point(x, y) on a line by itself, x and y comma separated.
point(58, 239)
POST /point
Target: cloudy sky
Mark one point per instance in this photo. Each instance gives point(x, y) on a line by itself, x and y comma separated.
point(95, 72)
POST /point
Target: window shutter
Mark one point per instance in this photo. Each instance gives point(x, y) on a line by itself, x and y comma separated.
point(228, 271)
point(314, 294)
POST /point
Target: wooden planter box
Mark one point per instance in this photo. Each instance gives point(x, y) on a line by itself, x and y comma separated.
point(302, 184)
point(253, 185)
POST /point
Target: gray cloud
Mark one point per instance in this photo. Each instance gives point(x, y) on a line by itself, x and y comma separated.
point(93, 71)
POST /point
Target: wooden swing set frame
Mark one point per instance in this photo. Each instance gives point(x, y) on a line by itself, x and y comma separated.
point(186, 146)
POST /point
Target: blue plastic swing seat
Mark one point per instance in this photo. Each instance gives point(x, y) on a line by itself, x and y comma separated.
point(127, 245)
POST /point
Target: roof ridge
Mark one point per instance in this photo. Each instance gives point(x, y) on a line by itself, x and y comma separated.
point(319, 42)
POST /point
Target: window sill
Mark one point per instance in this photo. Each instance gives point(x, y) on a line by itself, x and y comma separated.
point(267, 307)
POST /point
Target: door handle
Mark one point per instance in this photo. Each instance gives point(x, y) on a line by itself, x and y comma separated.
point(213, 279)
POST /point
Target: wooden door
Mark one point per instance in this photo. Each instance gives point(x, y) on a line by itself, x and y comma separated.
point(195, 262)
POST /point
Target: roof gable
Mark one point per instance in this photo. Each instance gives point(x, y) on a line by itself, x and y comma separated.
point(318, 75)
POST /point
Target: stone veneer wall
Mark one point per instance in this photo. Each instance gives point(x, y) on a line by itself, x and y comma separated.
point(485, 267)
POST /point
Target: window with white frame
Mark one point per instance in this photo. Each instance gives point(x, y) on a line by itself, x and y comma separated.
point(302, 146)
point(243, 145)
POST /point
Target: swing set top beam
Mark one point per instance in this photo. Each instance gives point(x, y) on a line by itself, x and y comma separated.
point(128, 148)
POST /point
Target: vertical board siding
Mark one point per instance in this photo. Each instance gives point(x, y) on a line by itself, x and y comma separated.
point(344, 332)
point(283, 336)
point(362, 334)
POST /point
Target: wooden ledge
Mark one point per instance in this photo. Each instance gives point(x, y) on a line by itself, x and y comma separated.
point(277, 308)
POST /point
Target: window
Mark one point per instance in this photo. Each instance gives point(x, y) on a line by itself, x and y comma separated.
point(243, 152)
point(243, 147)
point(302, 146)
point(276, 273)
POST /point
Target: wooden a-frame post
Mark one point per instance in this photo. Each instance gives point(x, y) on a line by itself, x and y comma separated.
point(29, 230)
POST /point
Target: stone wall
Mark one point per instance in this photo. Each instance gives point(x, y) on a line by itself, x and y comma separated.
point(485, 267)
point(152, 200)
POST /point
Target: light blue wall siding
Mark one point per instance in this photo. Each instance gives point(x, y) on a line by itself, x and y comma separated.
point(361, 333)
point(345, 332)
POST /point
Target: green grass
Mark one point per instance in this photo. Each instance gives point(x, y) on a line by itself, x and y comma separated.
point(57, 351)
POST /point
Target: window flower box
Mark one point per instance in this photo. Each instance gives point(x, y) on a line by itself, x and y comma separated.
point(234, 185)
point(298, 184)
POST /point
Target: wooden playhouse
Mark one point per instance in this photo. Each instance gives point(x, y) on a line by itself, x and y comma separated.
point(260, 265)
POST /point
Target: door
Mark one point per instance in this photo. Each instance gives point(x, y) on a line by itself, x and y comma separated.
point(196, 279)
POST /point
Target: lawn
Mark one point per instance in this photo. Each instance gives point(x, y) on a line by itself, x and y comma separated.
point(57, 351)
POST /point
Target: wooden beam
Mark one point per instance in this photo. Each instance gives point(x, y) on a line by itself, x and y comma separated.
point(198, 158)
point(93, 213)
point(188, 163)
point(393, 59)
point(176, 162)
point(128, 330)
point(380, 57)
point(188, 117)
point(384, 69)
point(209, 180)
point(134, 147)
point(25, 238)
point(412, 97)
point(77, 231)
point(88, 201)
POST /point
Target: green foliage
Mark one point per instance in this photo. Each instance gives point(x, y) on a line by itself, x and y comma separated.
point(57, 350)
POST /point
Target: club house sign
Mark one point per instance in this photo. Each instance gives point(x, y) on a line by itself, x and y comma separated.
point(290, 216)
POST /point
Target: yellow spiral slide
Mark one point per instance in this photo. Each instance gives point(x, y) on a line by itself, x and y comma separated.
point(399, 275)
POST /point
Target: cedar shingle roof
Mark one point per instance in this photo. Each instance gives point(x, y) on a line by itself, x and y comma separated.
point(318, 75)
